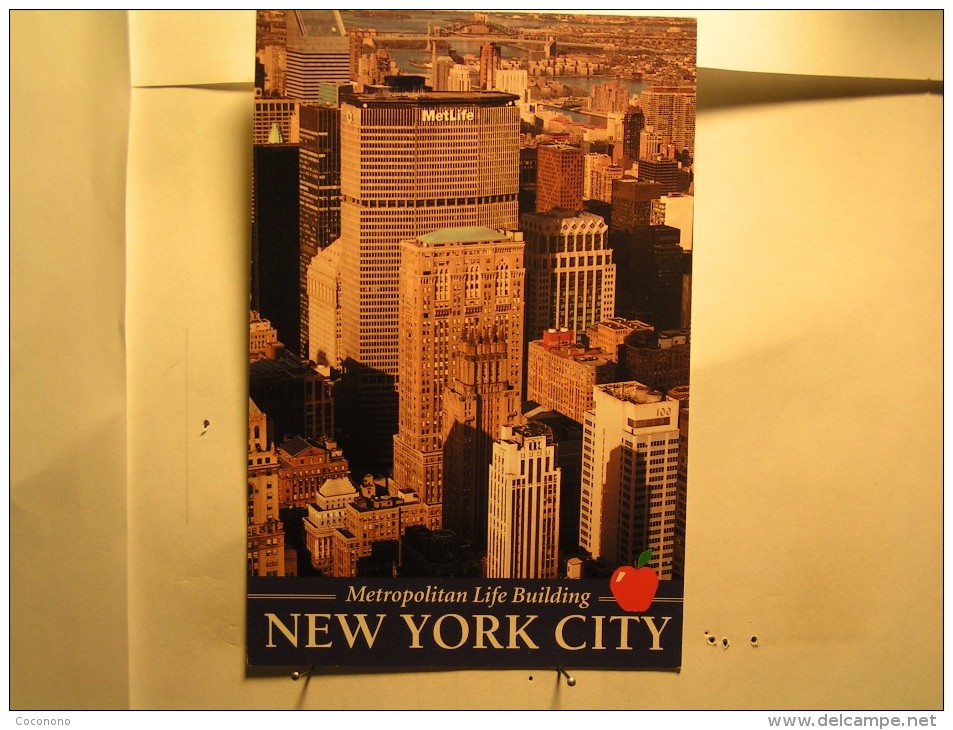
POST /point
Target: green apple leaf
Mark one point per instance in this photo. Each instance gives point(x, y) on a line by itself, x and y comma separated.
point(644, 558)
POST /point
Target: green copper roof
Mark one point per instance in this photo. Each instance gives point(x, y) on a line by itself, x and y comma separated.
point(471, 234)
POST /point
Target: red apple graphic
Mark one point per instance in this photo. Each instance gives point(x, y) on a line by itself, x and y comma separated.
point(634, 587)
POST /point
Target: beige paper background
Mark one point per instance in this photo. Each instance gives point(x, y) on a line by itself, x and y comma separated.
point(815, 516)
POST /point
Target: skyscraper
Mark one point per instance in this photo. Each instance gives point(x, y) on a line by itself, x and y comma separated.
point(633, 122)
point(662, 171)
point(630, 466)
point(461, 325)
point(559, 177)
point(319, 193)
point(571, 278)
point(670, 110)
point(276, 259)
point(318, 50)
point(523, 523)
point(411, 163)
point(489, 64)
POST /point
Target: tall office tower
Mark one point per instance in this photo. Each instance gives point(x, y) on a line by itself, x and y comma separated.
point(570, 276)
point(602, 180)
point(528, 163)
point(266, 534)
point(458, 78)
point(681, 394)
point(650, 260)
point(270, 111)
point(513, 81)
point(318, 50)
point(440, 73)
point(662, 171)
point(633, 122)
point(592, 161)
point(632, 202)
point(630, 462)
point(319, 194)
point(355, 46)
point(489, 65)
point(666, 265)
point(461, 295)
point(411, 164)
point(562, 373)
point(324, 306)
point(612, 96)
point(559, 177)
point(478, 400)
point(276, 257)
point(687, 289)
point(274, 61)
point(523, 523)
point(671, 111)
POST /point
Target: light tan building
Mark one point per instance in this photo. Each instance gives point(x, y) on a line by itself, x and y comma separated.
point(326, 515)
point(561, 373)
point(609, 334)
point(570, 275)
point(460, 290)
point(630, 490)
point(262, 337)
point(670, 111)
point(411, 164)
point(523, 523)
point(266, 536)
point(324, 306)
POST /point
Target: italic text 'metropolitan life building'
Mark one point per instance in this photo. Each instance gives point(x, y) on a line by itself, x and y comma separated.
point(411, 164)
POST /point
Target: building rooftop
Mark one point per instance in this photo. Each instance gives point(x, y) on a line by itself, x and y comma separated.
point(337, 487)
point(317, 23)
point(471, 234)
point(631, 391)
point(433, 98)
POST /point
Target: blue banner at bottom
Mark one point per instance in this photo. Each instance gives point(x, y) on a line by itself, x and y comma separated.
point(458, 623)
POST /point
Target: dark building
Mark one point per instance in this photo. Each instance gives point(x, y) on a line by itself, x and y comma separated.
point(632, 202)
point(633, 122)
point(664, 172)
point(659, 360)
point(319, 186)
point(567, 438)
point(649, 260)
point(427, 553)
point(296, 397)
point(527, 191)
point(276, 267)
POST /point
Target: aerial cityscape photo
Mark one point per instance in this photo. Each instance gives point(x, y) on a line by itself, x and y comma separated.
point(470, 295)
